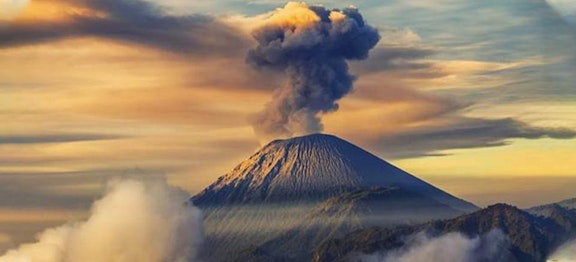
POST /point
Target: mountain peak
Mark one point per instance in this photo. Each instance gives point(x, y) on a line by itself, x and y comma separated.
point(313, 168)
point(502, 208)
point(504, 215)
point(316, 137)
point(315, 140)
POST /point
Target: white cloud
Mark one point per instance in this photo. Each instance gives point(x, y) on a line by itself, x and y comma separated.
point(141, 221)
point(566, 252)
point(454, 247)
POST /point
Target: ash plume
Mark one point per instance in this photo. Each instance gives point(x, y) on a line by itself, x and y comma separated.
point(311, 46)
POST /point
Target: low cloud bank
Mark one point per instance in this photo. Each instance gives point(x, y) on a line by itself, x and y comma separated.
point(140, 221)
point(566, 252)
point(454, 247)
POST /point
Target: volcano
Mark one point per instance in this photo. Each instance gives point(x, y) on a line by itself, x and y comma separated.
point(301, 191)
point(313, 168)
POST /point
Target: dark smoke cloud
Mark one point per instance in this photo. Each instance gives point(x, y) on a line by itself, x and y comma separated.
point(311, 45)
point(132, 21)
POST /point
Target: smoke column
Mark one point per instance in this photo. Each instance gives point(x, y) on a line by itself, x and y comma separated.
point(134, 221)
point(311, 46)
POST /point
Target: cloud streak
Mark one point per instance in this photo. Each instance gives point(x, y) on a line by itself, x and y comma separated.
point(131, 21)
point(395, 117)
point(462, 133)
point(55, 138)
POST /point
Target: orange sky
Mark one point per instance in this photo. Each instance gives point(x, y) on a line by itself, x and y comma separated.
point(97, 105)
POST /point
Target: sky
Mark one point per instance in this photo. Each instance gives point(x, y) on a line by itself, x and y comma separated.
point(476, 97)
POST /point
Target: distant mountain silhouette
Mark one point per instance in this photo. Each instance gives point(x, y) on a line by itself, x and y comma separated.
point(562, 213)
point(567, 204)
point(532, 235)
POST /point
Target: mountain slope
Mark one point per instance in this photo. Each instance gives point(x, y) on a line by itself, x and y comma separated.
point(561, 213)
point(394, 203)
point(569, 203)
point(312, 168)
point(566, 204)
point(349, 212)
point(271, 196)
point(531, 237)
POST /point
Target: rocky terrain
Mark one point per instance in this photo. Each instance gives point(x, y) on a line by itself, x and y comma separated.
point(531, 235)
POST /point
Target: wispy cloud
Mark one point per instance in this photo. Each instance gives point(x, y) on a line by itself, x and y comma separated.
point(53, 138)
point(136, 22)
point(461, 133)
